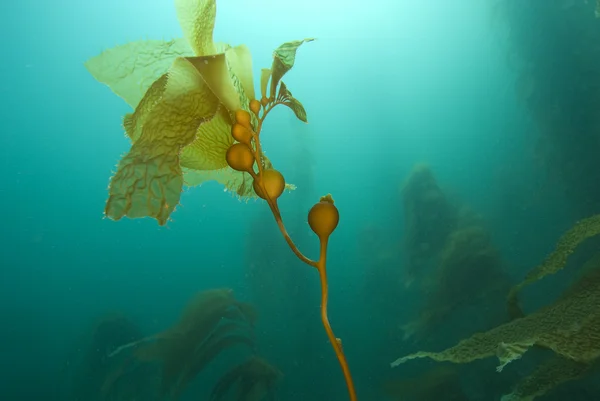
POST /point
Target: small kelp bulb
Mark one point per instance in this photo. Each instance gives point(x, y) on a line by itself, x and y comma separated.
point(241, 133)
point(273, 182)
point(255, 106)
point(243, 117)
point(240, 157)
point(323, 217)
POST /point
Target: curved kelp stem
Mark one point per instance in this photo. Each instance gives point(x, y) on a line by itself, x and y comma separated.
point(269, 184)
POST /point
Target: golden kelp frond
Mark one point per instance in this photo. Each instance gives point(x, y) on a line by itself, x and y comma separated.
point(130, 69)
point(239, 60)
point(167, 132)
point(253, 380)
point(149, 179)
point(218, 77)
point(547, 376)
point(197, 21)
point(286, 98)
point(235, 182)
point(566, 245)
point(133, 122)
point(568, 327)
point(284, 58)
point(207, 151)
point(441, 382)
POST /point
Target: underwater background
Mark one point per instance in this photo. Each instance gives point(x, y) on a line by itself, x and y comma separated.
point(457, 134)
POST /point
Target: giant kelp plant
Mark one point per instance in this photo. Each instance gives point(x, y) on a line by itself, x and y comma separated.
point(253, 379)
point(470, 272)
point(451, 252)
point(429, 217)
point(213, 322)
point(94, 376)
point(569, 326)
point(196, 118)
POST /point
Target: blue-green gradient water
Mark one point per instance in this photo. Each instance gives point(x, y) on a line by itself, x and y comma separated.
point(386, 85)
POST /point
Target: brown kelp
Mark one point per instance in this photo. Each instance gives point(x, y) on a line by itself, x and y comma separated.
point(212, 322)
point(252, 380)
point(570, 326)
point(197, 118)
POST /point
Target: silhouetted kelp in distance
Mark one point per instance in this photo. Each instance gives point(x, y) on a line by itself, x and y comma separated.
point(213, 322)
point(253, 379)
point(429, 218)
point(161, 366)
point(94, 369)
point(569, 326)
point(196, 118)
point(448, 247)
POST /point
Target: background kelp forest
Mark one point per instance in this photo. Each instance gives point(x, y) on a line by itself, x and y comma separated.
point(460, 141)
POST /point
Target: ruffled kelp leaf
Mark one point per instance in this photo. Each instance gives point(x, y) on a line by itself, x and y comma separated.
point(168, 133)
point(283, 61)
point(133, 122)
point(130, 69)
point(285, 97)
point(265, 75)
point(149, 179)
point(547, 376)
point(215, 72)
point(236, 182)
point(197, 21)
point(239, 60)
point(582, 230)
point(569, 327)
point(207, 151)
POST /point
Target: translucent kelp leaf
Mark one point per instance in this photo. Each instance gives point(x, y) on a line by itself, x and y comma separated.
point(215, 72)
point(149, 179)
point(240, 61)
point(207, 151)
point(283, 61)
point(197, 21)
point(133, 122)
point(130, 69)
point(234, 181)
point(285, 97)
point(265, 75)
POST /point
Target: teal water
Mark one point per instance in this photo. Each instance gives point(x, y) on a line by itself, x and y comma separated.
point(386, 85)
